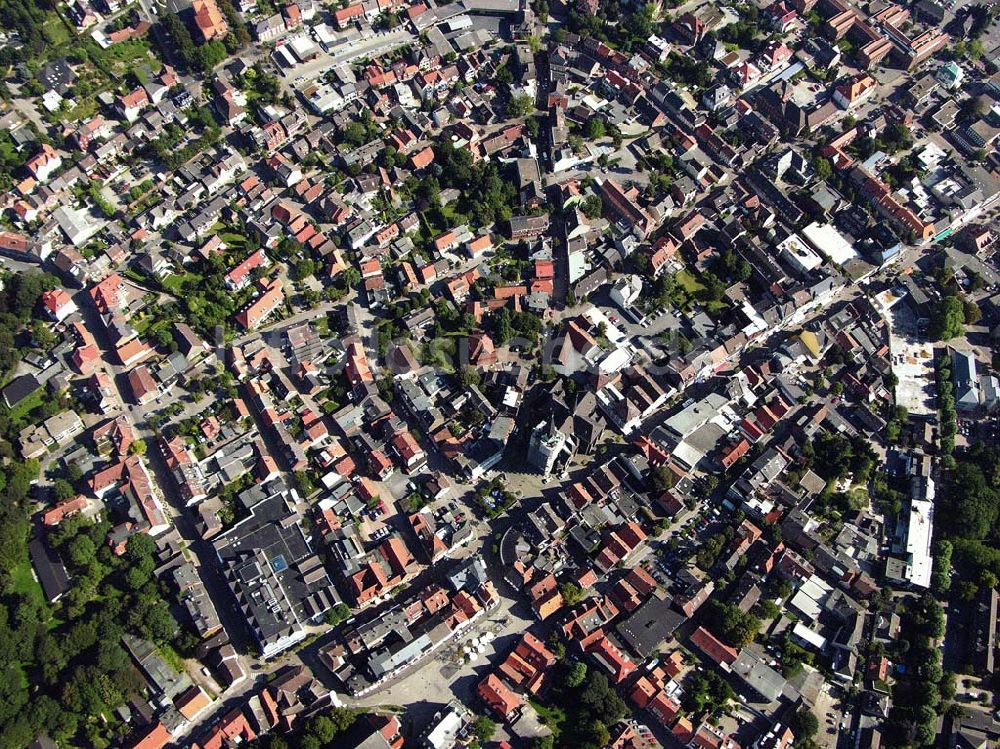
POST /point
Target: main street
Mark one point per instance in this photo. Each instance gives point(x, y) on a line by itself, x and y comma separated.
point(375, 45)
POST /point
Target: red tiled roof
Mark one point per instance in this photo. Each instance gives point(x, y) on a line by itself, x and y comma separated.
point(156, 738)
point(712, 647)
point(422, 158)
point(498, 696)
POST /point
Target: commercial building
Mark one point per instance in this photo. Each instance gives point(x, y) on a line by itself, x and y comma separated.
point(277, 580)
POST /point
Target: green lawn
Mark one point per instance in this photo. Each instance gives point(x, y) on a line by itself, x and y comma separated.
point(233, 240)
point(84, 110)
point(56, 34)
point(8, 151)
point(451, 213)
point(859, 497)
point(25, 583)
point(696, 290)
point(171, 657)
point(174, 283)
point(429, 227)
point(149, 324)
point(688, 282)
point(130, 51)
point(439, 221)
point(28, 405)
point(551, 717)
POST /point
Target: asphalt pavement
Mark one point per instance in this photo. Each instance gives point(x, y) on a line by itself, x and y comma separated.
point(180, 516)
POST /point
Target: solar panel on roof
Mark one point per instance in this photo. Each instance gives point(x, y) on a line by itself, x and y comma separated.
point(250, 572)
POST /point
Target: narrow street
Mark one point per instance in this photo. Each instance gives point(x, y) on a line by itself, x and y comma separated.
point(670, 504)
point(199, 549)
point(26, 107)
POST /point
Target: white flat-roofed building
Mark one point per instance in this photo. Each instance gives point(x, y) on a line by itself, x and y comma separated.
point(324, 98)
point(826, 240)
point(446, 727)
point(694, 415)
point(798, 255)
point(458, 23)
point(303, 48)
point(809, 636)
point(914, 544)
point(325, 35)
point(809, 598)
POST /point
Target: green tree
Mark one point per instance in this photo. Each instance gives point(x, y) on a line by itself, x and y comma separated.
point(971, 312)
point(181, 38)
point(469, 376)
point(599, 700)
point(592, 207)
point(576, 675)
point(520, 106)
point(715, 288)
point(948, 686)
point(303, 269)
point(152, 618)
point(661, 478)
point(640, 23)
point(769, 609)
point(925, 734)
point(210, 54)
point(337, 614)
point(595, 128)
point(975, 107)
point(136, 578)
point(43, 335)
point(571, 593)
point(736, 626)
point(350, 277)
point(355, 133)
point(941, 575)
point(25, 290)
point(947, 318)
point(804, 725)
point(484, 728)
point(63, 490)
point(323, 729)
point(504, 75)
point(304, 483)
point(82, 552)
point(597, 735)
point(706, 690)
point(111, 656)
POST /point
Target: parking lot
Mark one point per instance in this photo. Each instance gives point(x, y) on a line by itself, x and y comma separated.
point(451, 674)
point(831, 719)
point(670, 557)
point(911, 357)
